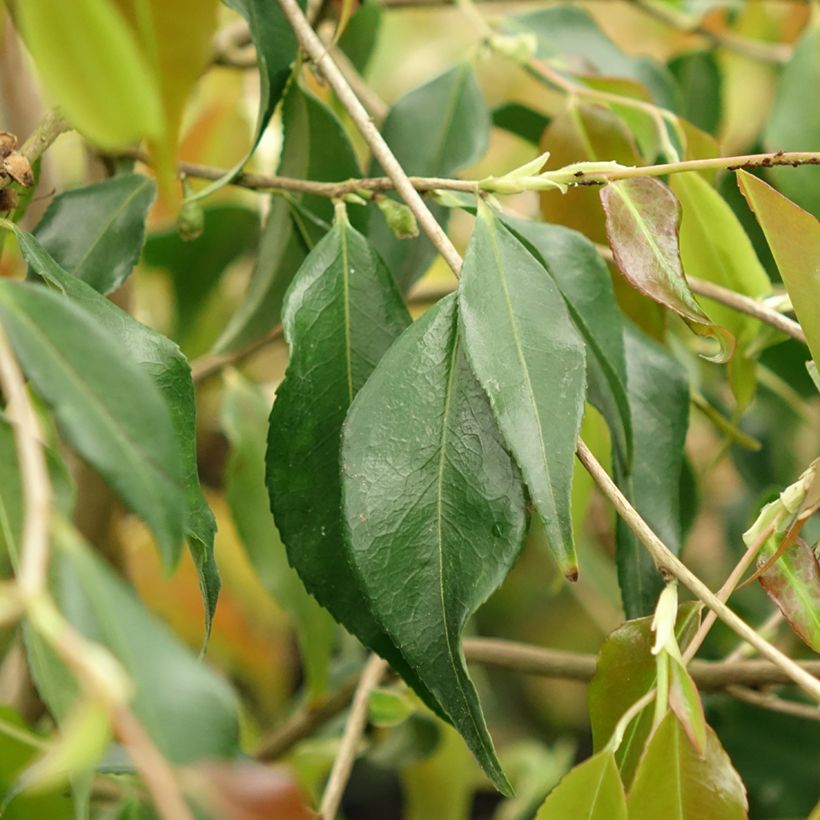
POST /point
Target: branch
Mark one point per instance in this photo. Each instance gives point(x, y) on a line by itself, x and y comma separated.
point(774, 703)
point(343, 764)
point(50, 127)
point(212, 363)
point(669, 564)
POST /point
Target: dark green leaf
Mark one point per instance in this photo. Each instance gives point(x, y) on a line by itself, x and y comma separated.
point(276, 49)
point(245, 420)
point(592, 790)
point(96, 232)
point(530, 360)
point(571, 33)
point(106, 406)
point(434, 508)
point(315, 147)
point(521, 120)
point(642, 217)
point(699, 79)
point(360, 35)
point(674, 782)
point(794, 122)
point(433, 130)
point(195, 267)
point(584, 282)
point(625, 672)
point(659, 405)
point(160, 361)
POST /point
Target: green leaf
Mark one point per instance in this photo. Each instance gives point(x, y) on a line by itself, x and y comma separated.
point(521, 120)
point(626, 671)
point(107, 91)
point(571, 33)
point(674, 782)
point(276, 50)
point(160, 361)
point(584, 281)
point(794, 123)
point(433, 130)
point(389, 707)
point(96, 232)
point(434, 509)
point(659, 407)
point(700, 83)
point(642, 218)
point(230, 232)
point(245, 421)
point(714, 247)
point(530, 360)
point(358, 41)
point(105, 405)
point(189, 712)
point(592, 790)
point(794, 237)
point(315, 147)
point(11, 495)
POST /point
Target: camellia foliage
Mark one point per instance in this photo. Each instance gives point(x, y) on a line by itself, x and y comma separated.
point(392, 385)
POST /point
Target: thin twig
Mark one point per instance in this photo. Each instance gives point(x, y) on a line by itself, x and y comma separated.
point(669, 564)
point(49, 128)
point(212, 363)
point(773, 703)
point(768, 629)
point(348, 749)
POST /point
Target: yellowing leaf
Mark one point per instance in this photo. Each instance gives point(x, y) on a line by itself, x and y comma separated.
point(91, 64)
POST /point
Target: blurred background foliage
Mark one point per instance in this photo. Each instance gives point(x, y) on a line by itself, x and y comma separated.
point(417, 768)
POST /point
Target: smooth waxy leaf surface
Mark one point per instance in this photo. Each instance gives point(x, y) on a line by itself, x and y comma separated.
point(315, 147)
point(96, 232)
point(530, 360)
point(189, 712)
point(700, 83)
point(673, 781)
point(642, 218)
point(584, 281)
point(245, 420)
point(433, 130)
point(107, 91)
point(106, 406)
point(434, 509)
point(794, 237)
point(626, 671)
point(275, 45)
point(592, 790)
point(659, 406)
point(161, 361)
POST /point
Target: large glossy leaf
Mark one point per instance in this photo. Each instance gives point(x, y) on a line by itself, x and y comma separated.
point(276, 49)
point(794, 237)
point(96, 232)
point(189, 712)
point(106, 406)
point(625, 672)
point(530, 360)
point(584, 281)
point(245, 420)
point(107, 92)
point(794, 122)
point(433, 130)
point(592, 790)
point(358, 40)
point(642, 218)
point(571, 34)
point(315, 147)
point(434, 509)
point(659, 406)
point(673, 781)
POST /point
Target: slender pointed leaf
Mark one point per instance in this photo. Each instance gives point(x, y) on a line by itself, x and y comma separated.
point(96, 232)
point(315, 147)
point(794, 237)
point(160, 360)
point(245, 420)
point(674, 782)
point(642, 217)
point(434, 509)
point(592, 790)
point(530, 360)
point(433, 130)
point(106, 406)
point(584, 281)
